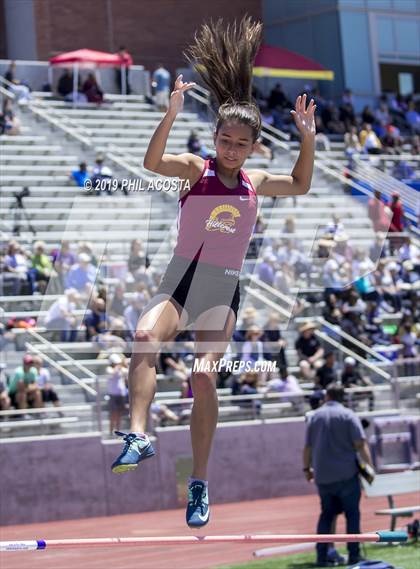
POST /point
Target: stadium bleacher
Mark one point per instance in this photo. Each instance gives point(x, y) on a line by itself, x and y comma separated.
point(41, 159)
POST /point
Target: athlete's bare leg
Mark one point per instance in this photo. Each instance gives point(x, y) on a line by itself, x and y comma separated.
point(160, 322)
point(210, 346)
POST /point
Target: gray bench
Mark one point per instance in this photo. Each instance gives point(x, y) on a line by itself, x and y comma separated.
point(391, 484)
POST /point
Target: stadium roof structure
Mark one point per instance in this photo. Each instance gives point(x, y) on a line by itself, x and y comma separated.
point(90, 58)
point(274, 61)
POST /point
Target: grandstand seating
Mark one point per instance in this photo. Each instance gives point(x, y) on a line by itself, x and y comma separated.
point(59, 210)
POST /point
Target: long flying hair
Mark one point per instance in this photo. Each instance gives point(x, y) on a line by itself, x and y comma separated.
point(224, 57)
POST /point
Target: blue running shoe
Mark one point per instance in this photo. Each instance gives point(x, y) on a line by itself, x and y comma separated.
point(198, 511)
point(136, 449)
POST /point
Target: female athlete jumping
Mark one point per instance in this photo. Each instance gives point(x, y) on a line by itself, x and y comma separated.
point(215, 222)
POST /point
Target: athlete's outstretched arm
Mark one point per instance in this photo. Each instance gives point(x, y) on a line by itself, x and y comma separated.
point(155, 159)
point(299, 182)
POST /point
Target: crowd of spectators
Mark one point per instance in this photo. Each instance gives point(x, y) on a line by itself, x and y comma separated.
point(29, 386)
point(394, 117)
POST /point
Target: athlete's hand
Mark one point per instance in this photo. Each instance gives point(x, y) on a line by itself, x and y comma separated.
point(304, 117)
point(176, 102)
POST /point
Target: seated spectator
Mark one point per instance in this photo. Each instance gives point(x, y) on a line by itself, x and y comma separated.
point(309, 349)
point(294, 257)
point(266, 269)
point(117, 390)
point(351, 377)
point(9, 123)
point(133, 311)
point(353, 303)
point(277, 98)
point(63, 260)
point(409, 341)
point(96, 319)
point(368, 116)
point(274, 344)
point(413, 118)
point(20, 89)
point(5, 402)
point(409, 251)
point(332, 279)
point(172, 364)
point(42, 267)
point(352, 324)
point(91, 89)
point(249, 316)
point(102, 176)
point(347, 114)
point(343, 251)
point(248, 385)
point(331, 119)
point(253, 348)
point(378, 213)
point(195, 146)
point(326, 374)
point(322, 142)
point(138, 261)
point(65, 83)
point(81, 175)
point(351, 142)
point(87, 247)
point(336, 226)
point(161, 415)
point(118, 303)
point(382, 113)
point(23, 389)
point(44, 383)
point(115, 339)
point(369, 141)
point(325, 246)
point(284, 278)
point(81, 275)
point(60, 315)
point(286, 383)
point(332, 313)
point(15, 267)
point(391, 140)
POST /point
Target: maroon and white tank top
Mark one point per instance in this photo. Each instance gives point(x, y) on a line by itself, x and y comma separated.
point(217, 220)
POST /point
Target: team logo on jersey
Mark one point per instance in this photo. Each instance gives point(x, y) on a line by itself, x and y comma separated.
point(222, 219)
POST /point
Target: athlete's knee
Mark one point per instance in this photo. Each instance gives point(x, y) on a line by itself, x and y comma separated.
point(203, 383)
point(146, 342)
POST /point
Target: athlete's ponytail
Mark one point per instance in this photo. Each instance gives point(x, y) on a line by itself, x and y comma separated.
point(224, 57)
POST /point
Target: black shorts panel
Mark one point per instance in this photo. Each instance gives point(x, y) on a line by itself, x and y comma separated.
point(198, 286)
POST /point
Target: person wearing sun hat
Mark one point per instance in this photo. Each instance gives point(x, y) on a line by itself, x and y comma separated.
point(309, 350)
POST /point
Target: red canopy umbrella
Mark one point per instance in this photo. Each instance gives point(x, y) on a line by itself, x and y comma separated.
point(89, 58)
point(279, 62)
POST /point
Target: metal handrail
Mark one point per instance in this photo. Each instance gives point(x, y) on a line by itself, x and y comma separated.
point(65, 356)
point(59, 125)
point(268, 302)
point(61, 369)
point(321, 320)
point(361, 360)
point(320, 163)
